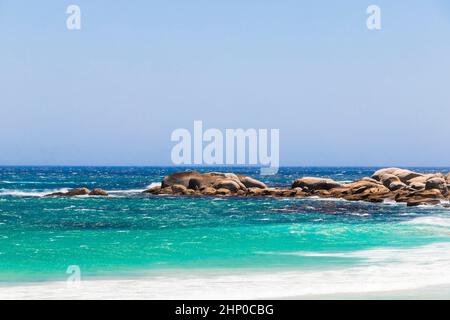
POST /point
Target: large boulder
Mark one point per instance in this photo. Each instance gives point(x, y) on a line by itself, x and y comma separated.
point(194, 180)
point(437, 183)
point(228, 184)
point(403, 174)
point(251, 183)
point(392, 182)
point(312, 184)
point(447, 178)
point(180, 178)
point(406, 175)
point(379, 173)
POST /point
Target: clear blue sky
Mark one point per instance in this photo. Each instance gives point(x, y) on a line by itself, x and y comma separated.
point(112, 93)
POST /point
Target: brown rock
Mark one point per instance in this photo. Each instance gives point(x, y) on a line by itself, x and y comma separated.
point(78, 192)
point(252, 183)
point(179, 189)
point(98, 192)
point(254, 191)
point(223, 192)
point(419, 202)
point(417, 185)
point(167, 190)
point(379, 173)
point(312, 183)
point(228, 184)
point(403, 174)
point(208, 191)
point(71, 193)
point(180, 178)
point(153, 190)
point(437, 183)
point(419, 195)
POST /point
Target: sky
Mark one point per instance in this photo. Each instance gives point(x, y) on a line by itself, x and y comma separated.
point(113, 92)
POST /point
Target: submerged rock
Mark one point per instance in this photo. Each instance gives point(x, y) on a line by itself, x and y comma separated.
point(71, 193)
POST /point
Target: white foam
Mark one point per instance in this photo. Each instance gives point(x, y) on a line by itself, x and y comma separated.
point(23, 193)
point(382, 270)
point(431, 221)
point(134, 191)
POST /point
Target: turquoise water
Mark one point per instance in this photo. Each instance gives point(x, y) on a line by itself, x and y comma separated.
point(129, 234)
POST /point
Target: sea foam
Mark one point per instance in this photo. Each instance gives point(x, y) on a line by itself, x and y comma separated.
point(382, 270)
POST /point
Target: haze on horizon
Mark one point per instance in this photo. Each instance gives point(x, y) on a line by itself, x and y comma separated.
point(113, 92)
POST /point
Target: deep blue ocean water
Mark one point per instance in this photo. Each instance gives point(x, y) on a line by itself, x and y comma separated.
point(129, 234)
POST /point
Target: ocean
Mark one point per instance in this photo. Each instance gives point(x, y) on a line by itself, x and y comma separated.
point(131, 245)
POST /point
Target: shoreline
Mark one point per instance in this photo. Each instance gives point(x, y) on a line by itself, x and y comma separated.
point(144, 289)
point(384, 274)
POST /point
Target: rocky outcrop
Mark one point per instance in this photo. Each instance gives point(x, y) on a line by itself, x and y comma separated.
point(71, 193)
point(394, 184)
point(212, 183)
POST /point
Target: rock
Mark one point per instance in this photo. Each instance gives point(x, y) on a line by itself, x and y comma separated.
point(417, 185)
point(419, 202)
point(78, 192)
point(180, 178)
point(311, 184)
point(447, 178)
point(406, 175)
point(437, 183)
point(403, 174)
point(394, 186)
point(199, 181)
point(223, 192)
point(367, 179)
point(392, 182)
point(71, 193)
point(153, 190)
point(98, 192)
point(190, 192)
point(255, 191)
point(208, 191)
point(378, 174)
point(252, 183)
point(228, 184)
point(419, 195)
point(388, 178)
point(179, 189)
point(167, 190)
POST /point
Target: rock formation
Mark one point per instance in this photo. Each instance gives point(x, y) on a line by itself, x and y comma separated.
point(400, 185)
point(79, 192)
point(393, 184)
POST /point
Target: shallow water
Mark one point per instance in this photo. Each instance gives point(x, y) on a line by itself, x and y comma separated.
point(296, 241)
